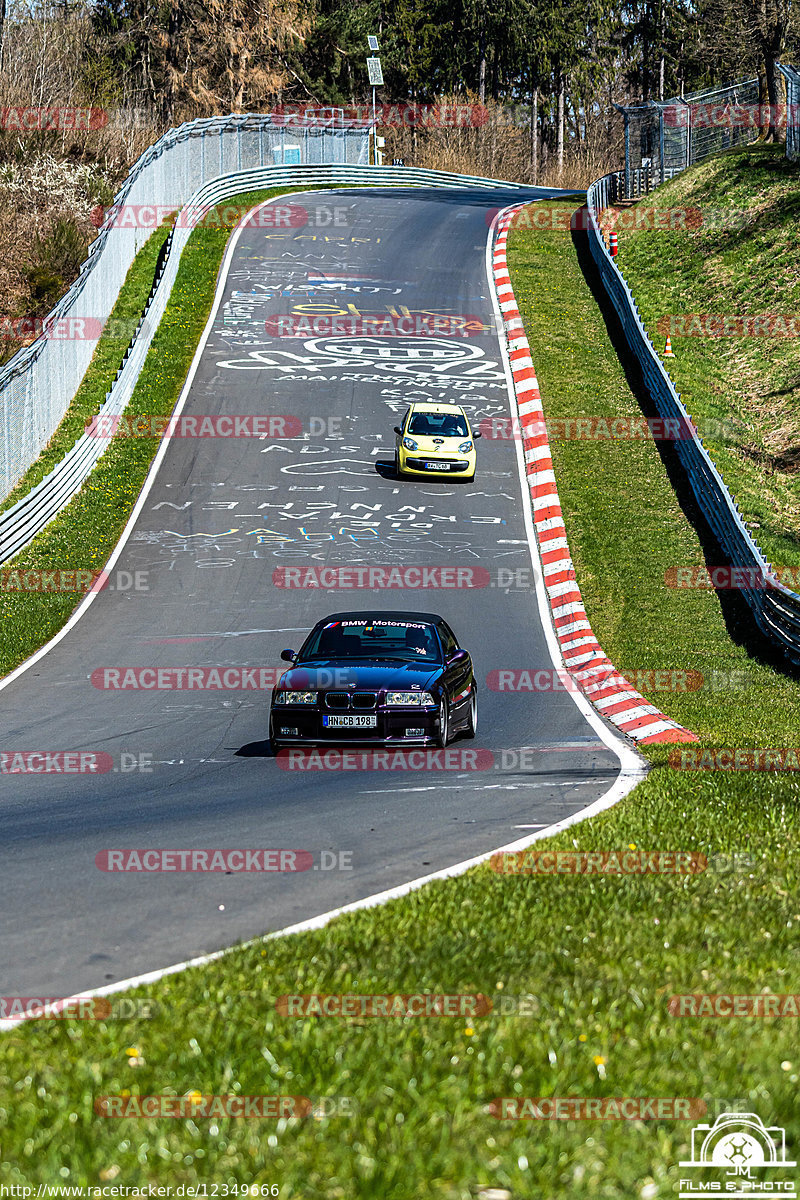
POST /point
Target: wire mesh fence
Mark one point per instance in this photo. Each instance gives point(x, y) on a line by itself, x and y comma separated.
point(663, 137)
point(39, 382)
point(792, 78)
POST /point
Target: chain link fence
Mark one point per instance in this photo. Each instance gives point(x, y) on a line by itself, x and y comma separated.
point(38, 384)
point(792, 78)
point(664, 137)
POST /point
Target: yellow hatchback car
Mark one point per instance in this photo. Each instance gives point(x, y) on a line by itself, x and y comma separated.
point(435, 439)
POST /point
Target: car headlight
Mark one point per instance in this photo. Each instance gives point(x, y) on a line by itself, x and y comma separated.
point(409, 444)
point(408, 699)
point(296, 698)
point(465, 447)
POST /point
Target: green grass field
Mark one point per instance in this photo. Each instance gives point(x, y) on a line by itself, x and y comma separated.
point(600, 956)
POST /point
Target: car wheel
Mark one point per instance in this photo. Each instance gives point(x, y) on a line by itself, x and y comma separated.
point(472, 719)
point(443, 732)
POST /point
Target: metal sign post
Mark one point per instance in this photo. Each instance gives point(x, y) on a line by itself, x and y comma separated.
point(376, 79)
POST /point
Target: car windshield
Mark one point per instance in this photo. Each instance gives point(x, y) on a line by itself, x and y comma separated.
point(378, 637)
point(431, 424)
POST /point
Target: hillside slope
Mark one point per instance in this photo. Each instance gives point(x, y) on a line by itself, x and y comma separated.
point(735, 252)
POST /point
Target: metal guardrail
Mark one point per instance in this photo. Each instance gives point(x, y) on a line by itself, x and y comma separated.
point(775, 608)
point(37, 385)
point(792, 78)
point(20, 523)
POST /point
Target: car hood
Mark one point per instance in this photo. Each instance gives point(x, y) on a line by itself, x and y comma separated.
point(339, 674)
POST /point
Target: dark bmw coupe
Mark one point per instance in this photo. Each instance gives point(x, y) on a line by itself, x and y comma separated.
point(395, 678)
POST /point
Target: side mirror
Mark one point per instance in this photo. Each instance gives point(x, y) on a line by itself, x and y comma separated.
point(458, 656)
point(397, 429)
point(475, 436)
point(288, 655)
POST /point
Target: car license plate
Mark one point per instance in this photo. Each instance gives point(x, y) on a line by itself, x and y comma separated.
point(367, 721)
point(438, 466)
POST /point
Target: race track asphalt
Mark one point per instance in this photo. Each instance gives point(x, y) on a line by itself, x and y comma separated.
point(223, 514)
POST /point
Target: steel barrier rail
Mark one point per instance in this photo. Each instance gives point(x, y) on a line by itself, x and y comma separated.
point(20, 523)
point(775, 607)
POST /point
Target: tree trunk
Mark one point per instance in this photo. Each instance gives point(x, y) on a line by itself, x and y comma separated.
point(2, 29)
point(770, 58)
point(534, 134)
point(560, 124)
point(482, 70)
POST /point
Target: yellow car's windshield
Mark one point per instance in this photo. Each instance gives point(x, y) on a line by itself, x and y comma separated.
point(430, 424)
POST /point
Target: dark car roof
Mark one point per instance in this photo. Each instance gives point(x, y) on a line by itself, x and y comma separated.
point(384, 614)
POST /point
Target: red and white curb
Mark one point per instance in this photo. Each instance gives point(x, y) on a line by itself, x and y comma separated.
point(583, 657)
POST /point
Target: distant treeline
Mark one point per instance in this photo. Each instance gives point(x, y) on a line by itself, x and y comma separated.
point(558, 65)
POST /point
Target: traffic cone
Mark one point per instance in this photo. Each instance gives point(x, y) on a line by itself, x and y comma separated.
point(668, 348)
point(612, 244)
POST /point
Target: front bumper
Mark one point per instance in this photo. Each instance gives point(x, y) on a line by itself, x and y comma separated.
point(293, 725)
point(417, 464)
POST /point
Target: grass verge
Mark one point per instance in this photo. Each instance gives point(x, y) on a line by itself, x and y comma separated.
point(601, 956)
point(736, 256)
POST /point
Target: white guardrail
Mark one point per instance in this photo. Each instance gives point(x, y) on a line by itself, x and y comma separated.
point(775, 607)
point(20, 523)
